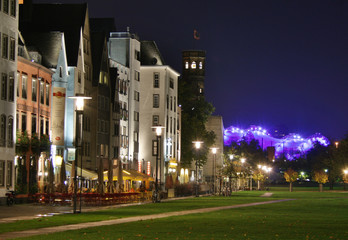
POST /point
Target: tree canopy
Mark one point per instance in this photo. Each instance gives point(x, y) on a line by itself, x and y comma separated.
point(195, 112)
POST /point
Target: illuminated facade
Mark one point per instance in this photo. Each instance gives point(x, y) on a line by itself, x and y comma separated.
point(291, 146)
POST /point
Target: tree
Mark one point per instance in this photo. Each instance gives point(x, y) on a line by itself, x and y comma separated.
point(290, 176)
point(259, 177)
point(320, 177)
point(195, 112)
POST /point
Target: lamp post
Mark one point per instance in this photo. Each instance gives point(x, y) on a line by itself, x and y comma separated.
point(79, 105)
point(214, 150)
point(197, 146)
point(158, 158)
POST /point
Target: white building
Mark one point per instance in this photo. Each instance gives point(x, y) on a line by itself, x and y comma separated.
point(124, 53)
point(158, 107)
point(8, 70)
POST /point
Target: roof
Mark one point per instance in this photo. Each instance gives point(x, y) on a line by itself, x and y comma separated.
point(97, 43)
point(150, 54)
point(47, 44)
point(67, 18)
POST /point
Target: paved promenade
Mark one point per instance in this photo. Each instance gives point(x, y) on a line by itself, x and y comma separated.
point(48, 230)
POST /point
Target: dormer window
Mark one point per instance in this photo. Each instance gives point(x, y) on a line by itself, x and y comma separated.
point(193, 65)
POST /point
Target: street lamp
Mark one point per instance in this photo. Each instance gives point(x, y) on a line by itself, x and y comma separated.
point(79, 105)
point(158, 158)
point(345, 179)
point(214, 150)
point(197, 146)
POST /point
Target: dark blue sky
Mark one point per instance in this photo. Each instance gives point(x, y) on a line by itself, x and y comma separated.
point(269, 62)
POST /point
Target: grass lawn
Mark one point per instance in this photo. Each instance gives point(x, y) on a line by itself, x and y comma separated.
point(313, 215)
point(147, 209)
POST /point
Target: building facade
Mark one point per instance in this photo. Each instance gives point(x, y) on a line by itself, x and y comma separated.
point(158, 107)
point(8, 70)
point(124, 54)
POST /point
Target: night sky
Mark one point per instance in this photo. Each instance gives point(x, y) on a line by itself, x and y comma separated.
point(269, 63)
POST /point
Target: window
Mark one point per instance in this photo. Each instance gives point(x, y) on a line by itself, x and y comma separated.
point(24, 86)
point(10, 132)
point(85, 46)
point(115, 152)
point(174, 104)
point(33, 123)
point(200, 65)
point(136, 75)
point(116, 129)
point(156, 100)
point(193, 65)
point(2, 173)
point(13, 8)
point(156, 80)
point(3, 131)
point(79, 77)
point(87, 73)
point(167, 101)
point(47, 126)
point(4, 86)
point(186, 65)
point(136, 136)
point(11, 87)
point(136, 116)
point(171, 103)
point(137, 55)
point(171, 83)
point(171, 124)
point(4, 45)
point(24, 121)
point(136, 96)
point(5, 6)
point(154, 147)
point(155, 120)
point(47, 94)
point(9, 173)
point(33, 90)
point(60, 72)
point(12, 49)
point(42, 126)
point(42, 91)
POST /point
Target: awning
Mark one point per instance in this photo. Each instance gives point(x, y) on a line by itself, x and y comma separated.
point(129, 175)
point(85, 173)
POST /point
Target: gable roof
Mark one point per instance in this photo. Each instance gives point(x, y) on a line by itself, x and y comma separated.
point(67, 18)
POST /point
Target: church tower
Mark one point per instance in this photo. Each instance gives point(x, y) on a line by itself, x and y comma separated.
point(193, 72)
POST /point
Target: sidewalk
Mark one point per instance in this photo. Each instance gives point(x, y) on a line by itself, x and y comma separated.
point(49, 230)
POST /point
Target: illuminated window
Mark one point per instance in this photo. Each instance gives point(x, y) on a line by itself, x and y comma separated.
point(186, 65)
point(24, 86)
point(200, 65)
point(193, 65)
point(33, 90)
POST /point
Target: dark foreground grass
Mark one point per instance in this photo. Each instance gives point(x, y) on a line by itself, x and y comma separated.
point(138, 210)
point(311, 216)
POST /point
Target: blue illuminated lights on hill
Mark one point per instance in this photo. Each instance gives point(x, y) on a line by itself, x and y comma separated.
point(291, 145)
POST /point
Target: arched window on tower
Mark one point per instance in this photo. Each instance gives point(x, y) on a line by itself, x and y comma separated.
point(186, 65)
point(200, 65)
point(193, 65)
